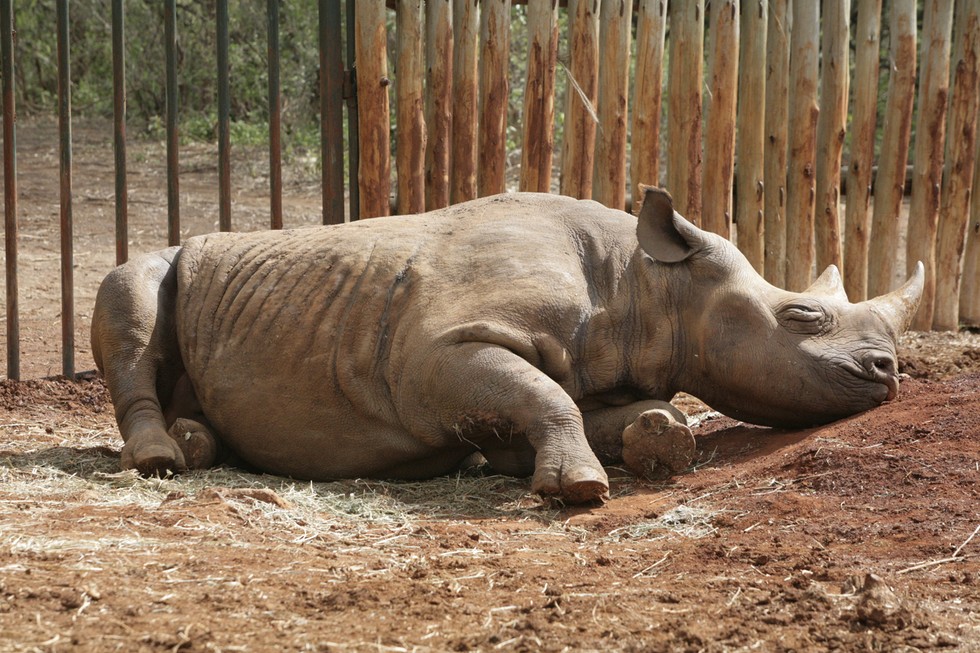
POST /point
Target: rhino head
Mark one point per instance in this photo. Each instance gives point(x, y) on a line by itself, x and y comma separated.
point(765, 355)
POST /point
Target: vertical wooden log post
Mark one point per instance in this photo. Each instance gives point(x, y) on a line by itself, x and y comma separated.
point(751, 127)
point(409, 103)
point(371, 59)
point(578, 147)
point(930, 132)
point(686, 77)
point(539, 96)
point(651, 27)
point(803, 114)
point(889, 185)
point(439, 100)
point(609, 175)
point(494, 95)
point(466, 32)
point(961, 154)
point(831, 129)
point(867, 44)
point(970, 290)
point(777, 136)
point(719, 114)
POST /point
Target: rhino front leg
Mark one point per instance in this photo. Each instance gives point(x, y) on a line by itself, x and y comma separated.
point(650, 437)
point(134, 343)
point(491, 397)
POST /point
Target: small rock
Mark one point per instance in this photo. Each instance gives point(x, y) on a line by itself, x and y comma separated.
point(879, 605)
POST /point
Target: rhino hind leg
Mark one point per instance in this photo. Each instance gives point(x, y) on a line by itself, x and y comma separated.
point(656, 445)
point(134, 343)
point(650, 437)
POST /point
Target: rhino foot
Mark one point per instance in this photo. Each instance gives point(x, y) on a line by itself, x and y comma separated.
point(152, 456)
point(579, 484)
point(657, 446)
point(196, 442)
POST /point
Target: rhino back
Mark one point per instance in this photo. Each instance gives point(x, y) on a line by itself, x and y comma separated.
point(303, 333)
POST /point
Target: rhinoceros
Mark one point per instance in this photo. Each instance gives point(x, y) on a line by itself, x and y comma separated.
point(545, 333)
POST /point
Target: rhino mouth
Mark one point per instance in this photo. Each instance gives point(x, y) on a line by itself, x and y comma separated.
point(879, 370)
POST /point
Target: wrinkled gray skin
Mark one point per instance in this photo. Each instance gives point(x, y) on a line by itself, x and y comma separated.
point(530, 328)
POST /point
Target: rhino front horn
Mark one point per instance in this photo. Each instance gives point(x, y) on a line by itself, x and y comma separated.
point(898, 307)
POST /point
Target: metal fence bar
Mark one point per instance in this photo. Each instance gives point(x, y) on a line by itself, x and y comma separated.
point(119, 129)
point(173, 137)
point(224, 121)
point(353, 133)
point(331, 112)
point(275, 118)
point(10, 188)
point(67, 258)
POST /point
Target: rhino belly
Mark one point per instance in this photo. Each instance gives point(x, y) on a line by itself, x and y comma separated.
point(285, 340)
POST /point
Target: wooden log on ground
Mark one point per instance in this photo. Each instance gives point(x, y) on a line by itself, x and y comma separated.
point(651, 27)
point(961, 155)
point(684, 111)
point(719, 114)
point(889, 184)
point(466, 33)
point(970, 290)
point(831, 129)
point(857, 225)
point(751, 127)
point(777, 136)
point(373, 123)
point(539, 96)
point(930, 133)
point(438, 100)
point(803, 114)
point(609, 175)
point(494, 95)
point(409, 101)
point(578, 147)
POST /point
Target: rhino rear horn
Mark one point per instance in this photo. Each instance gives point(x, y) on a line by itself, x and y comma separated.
point(662, 232)
point(898, 307)
point(828, 284)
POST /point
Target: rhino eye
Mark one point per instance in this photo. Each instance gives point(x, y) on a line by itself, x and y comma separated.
point(801, 317)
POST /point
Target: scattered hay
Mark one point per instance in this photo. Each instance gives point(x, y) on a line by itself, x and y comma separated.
point(685, 520)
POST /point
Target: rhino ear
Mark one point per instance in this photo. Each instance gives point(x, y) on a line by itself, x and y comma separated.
point(662, 232)
point(828, 284)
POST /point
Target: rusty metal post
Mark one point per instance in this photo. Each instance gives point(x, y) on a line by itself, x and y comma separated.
point(119, 131)
point(67, 258)
point(224, 121)
point(331, 112)
point(173, 137)
point(275, 117)
point(10, 188)
point(350, 94)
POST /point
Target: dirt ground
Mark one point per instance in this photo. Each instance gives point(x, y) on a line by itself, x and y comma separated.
point(860, 535)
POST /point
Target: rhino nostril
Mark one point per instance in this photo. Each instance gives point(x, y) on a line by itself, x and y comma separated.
point(879, 364)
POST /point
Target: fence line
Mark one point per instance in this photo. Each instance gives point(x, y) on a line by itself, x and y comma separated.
point(768, 103)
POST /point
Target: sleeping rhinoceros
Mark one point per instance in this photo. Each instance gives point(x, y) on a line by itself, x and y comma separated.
point(537, 330)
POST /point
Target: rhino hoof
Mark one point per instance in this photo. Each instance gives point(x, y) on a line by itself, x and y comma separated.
point(657, 446)
point(582, 484)
point(196, 443)
point(153, 458)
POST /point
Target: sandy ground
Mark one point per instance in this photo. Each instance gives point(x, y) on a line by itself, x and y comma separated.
point(860, 535)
